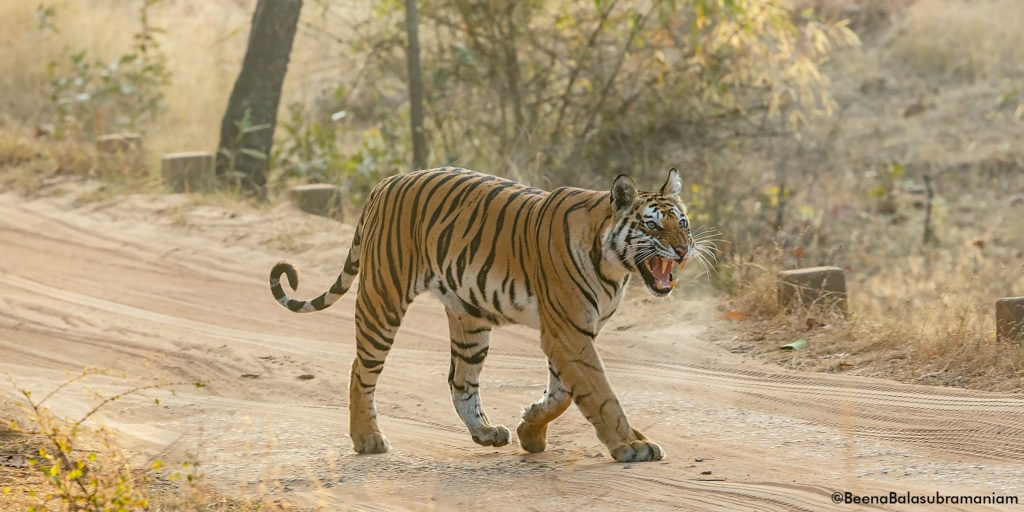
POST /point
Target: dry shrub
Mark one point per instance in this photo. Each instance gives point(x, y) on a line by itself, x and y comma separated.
point(27, 163)
point(64, 464)
point(17, 149)
point(753, 286)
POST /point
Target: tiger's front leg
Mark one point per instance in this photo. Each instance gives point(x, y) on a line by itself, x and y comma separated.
point(533, 429)
point(471, 338)
point(582, 373)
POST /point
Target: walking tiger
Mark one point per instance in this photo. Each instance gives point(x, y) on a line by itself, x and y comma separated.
point(497, 252)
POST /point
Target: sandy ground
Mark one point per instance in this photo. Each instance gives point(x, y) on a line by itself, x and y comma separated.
point(166, 292)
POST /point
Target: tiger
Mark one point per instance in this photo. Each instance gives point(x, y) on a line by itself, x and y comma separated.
point(497, 252)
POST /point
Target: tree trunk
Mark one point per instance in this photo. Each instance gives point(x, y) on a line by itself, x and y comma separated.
point(247, 130)
point(419, 139)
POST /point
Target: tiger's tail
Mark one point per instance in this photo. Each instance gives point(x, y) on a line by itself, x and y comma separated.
point(341, 285)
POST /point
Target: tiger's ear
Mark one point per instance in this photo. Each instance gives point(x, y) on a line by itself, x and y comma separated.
point(673, 185)
point(623, 193)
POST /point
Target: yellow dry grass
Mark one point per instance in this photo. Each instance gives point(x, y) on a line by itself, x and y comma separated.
point(970, 40)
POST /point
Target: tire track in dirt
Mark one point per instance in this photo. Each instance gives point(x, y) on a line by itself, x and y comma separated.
point(957, 421)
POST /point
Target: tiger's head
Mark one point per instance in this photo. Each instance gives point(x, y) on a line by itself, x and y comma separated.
point(651, 235)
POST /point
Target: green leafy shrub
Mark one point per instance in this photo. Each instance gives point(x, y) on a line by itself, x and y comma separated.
point(91, 96)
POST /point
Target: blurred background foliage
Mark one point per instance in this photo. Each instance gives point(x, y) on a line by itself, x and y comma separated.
point(574, 92)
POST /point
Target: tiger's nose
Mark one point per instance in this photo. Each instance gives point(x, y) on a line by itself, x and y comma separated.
point(681, 251)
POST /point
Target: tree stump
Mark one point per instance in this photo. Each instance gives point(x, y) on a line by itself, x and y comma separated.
point(119, 154)
point(1010, 319)
point(817, 286)
point(319, 199)
point(190, 171)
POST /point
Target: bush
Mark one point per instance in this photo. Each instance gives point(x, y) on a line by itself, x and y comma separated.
point(78, 475)
point(560, 93)
point(93, 97)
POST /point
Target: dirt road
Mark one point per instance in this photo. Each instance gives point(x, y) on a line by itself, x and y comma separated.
point(164, 292)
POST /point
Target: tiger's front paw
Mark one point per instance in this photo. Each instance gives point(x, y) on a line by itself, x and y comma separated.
point(492, 436)
point(640, 450)
point(373, 442)
point(532, 436)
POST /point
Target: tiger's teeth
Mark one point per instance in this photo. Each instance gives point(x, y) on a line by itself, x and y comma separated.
point(665, 265)
point(673, 283)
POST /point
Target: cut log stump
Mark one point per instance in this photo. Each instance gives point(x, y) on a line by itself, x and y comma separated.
point(190, 171)
point(1010, 319)
point(119, 143)
point(319, 198)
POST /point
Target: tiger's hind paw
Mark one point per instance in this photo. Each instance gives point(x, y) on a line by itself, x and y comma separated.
point(492, 436)
point(640, 450)
point(374, 442)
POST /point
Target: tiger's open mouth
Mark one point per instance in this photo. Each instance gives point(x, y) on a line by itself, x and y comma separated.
point(657, 273)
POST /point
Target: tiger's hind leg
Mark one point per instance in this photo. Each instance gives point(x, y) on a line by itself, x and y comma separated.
point(533, 428)
point(377, 323)
point(471, 339)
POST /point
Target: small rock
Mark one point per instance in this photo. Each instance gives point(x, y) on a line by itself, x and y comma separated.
point(627, 466)
point(250, 375)
point(699, 459)
point(706, 472)
point(306, 376)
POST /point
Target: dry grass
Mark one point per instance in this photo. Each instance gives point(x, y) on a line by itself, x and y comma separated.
point(17, 478)
point(960, 39)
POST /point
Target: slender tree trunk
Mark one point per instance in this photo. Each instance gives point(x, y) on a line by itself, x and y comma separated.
point(419, 139)
point(247, 130)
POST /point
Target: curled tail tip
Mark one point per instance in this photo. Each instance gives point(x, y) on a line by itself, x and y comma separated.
point(288, 270)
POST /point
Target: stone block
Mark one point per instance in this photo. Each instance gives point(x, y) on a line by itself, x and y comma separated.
point(190, 171)
point(817, 286)
point(319, 199)
point(119, 143)
point(1010, 319)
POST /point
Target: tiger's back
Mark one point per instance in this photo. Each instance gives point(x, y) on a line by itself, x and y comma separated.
point(459, 234)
